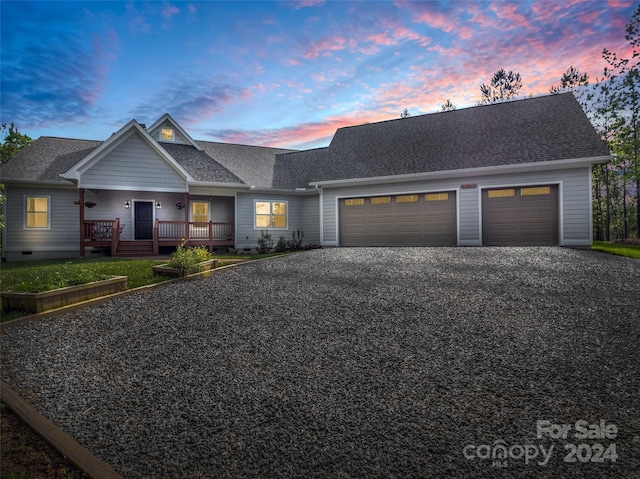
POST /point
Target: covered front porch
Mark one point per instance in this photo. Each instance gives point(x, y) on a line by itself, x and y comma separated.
point(107, 234)
point(154, 223)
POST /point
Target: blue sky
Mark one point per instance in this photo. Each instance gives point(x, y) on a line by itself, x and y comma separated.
point(285, 73)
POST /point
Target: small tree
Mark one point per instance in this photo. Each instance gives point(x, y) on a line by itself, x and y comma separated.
point(447, 106)
point(570, 80)
point(504, 86)
point(12, 142)
point(405, 114)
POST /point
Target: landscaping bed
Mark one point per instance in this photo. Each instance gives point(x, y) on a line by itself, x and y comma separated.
point(60, 297)
point(173, 272)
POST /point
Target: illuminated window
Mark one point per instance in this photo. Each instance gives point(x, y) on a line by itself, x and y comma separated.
point(436, 197)
point(501, 193)
point(539, 190)
point(407, 199)
point(381, 200)
point(166, 134)
point(354, 202)
point(199, 211)
point(37, 212)
point(271, 214)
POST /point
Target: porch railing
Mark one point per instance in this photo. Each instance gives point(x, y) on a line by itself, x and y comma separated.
point(105, 232)
point(211, 231)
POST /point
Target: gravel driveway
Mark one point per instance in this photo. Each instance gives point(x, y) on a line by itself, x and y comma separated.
point(354, 363)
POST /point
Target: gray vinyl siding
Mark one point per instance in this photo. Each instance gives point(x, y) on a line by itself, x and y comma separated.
point(574, 196)
point(60, 240)
point(133, 165)
point(300, 213)
point(310, 220)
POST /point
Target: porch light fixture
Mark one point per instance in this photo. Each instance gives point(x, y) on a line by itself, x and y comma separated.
point(127, 205)
point(158, 205)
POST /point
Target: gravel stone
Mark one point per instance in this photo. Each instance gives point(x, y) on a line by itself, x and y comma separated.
point(349, 363)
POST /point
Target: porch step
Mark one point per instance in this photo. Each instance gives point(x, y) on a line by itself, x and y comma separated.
point(135, 248)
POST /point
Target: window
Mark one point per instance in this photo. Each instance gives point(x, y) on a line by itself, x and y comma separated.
point(436, 197)
point(381, 200)
point(540, 190)
point(354, 202)
point(501, 193)
point(200, 211)
point(407, 199)
point(271, 214)
point(166, 134)
point(37, 212)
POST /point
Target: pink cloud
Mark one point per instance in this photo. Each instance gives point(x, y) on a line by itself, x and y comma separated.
point(509, 12)
point(381, 39)
point(619, 3)
point(299, 4)
point(169, 10)
point(324, 46)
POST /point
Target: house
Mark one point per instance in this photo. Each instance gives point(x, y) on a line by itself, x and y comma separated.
point(514, 173)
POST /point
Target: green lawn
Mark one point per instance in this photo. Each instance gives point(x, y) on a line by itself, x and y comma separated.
point(628, 250)
point(36, 276)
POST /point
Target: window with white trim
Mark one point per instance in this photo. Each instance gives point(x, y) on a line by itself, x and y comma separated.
point(166, 134)
point(270, 214)
point(37, 212)
point(200, 211)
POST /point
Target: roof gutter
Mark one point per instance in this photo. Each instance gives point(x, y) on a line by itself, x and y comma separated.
point(287, 191)
point(481, 171)
point(54, 183)
point(242, 186)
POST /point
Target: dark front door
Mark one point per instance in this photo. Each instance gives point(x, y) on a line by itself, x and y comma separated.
point(143, 220)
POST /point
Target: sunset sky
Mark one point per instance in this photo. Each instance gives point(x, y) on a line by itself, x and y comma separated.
point(285, 73)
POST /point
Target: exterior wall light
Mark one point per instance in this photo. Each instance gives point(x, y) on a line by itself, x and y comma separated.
point(127, 205)
point(158, 205)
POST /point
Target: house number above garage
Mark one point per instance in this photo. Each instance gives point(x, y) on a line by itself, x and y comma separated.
point(468, 186)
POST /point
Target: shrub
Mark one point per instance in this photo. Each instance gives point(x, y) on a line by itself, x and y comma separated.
point(188, 259)
point(281, 245)
point(265, 242)
point(296, 242)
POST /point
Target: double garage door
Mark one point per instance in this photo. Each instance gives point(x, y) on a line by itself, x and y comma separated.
point(426, 219)
point(518, 216)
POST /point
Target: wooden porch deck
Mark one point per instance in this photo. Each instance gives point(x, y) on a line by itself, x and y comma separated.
point(107, 234)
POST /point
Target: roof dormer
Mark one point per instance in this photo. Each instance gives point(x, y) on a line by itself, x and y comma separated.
point(167, 130)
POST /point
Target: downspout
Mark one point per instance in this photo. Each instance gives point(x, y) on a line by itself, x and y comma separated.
point(186, 215)
point(321, 214)
point(81, 204)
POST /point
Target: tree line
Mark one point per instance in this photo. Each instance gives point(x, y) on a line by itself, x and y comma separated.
point(612, 107)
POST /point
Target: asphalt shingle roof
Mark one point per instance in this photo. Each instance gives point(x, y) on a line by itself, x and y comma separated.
point(538, 129)
point(46, 158)
point(201, 166)
point(254, 164)
point(546, 128)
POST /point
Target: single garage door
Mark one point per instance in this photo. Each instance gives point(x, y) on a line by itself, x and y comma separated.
point(426, 219)
point(520, 216)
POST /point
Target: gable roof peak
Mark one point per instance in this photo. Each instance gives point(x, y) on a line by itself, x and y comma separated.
point(168, 118)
